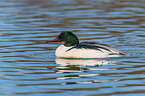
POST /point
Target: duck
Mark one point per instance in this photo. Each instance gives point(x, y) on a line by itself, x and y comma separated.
point(72, 48)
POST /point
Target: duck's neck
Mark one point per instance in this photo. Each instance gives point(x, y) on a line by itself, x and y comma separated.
point(70, 44)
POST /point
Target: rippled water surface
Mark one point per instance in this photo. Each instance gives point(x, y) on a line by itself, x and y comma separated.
point(28, 66)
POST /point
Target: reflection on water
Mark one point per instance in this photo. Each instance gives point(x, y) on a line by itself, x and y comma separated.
point(28, 65)
point(83, 62)
point(79, 66)
point(75, 65)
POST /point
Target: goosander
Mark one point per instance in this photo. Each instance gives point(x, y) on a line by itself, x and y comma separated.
point(71, 48)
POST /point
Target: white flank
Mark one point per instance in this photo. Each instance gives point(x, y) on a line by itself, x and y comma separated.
point(61, 51)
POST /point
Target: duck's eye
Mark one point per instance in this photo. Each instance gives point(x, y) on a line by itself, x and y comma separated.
point(61, 36)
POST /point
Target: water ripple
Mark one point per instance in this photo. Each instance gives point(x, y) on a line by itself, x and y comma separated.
point(29, 67)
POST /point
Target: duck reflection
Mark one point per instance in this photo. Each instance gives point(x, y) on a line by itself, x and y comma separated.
point(83, 62)
point(80, 65)
point(80, 68)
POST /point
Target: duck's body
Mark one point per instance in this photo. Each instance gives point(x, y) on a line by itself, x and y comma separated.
point(87, 50)
point(73, 49)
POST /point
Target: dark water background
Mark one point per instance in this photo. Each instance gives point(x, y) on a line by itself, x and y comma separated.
point(28, 66)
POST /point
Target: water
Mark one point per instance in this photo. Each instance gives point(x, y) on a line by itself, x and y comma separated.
point(28, 65)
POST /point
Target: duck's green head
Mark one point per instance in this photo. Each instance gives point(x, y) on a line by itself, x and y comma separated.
point(67, 37)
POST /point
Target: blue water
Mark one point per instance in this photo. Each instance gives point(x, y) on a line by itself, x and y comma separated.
point(28, 66)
